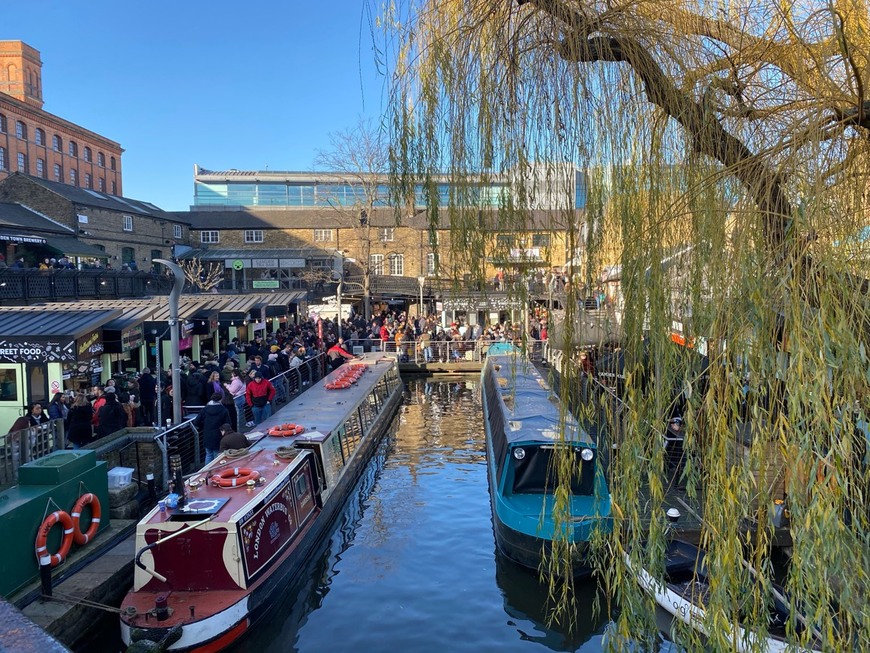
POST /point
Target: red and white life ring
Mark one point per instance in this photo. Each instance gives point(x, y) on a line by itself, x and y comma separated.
point(286, 430)
point(234, 477)
point(61, 517)
point(86, 499)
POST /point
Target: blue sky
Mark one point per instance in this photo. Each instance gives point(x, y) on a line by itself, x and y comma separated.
point(245, 85)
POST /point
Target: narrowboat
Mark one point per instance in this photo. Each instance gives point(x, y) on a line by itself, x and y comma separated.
point(525, 425)
point(208, 569)
point(681, 595)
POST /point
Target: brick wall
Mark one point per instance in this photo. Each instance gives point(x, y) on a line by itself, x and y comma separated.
point(34, 119)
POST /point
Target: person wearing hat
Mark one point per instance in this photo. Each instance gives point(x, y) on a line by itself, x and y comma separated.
point(230, 439)
point(111, 416)
point(258, 394)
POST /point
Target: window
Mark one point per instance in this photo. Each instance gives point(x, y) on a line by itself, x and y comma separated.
point(128, 222)
point(57, 143)
point(40, 168)
point(39, 136)
point(177, 231)
point(397, 265)
point(58, 172)
point(540, 240)
point(376, 263)
point(128, 254)
point(430, 264)
point(504, 240)
point(386, 234)
point(114, 187)
point(101, 159)
point(9, 385)
point(322, 235)
point(73, 177)
point(2, 158)
point(87, 154)
point(89, 181)
point(253, 235)
point(22, 162)
point(20, 130)
point(209, 237)
point(112, 163)
point(101, 185)
point(73, 149)
point(2, 124)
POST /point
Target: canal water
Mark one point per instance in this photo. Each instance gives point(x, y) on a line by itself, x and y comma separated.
point(412, 564)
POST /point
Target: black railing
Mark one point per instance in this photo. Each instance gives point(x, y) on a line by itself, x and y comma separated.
point(33, 286)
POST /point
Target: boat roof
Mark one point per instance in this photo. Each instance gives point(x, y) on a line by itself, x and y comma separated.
point(532, 412)
point(319, 410)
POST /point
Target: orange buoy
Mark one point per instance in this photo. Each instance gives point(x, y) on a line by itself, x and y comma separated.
point(234, 477)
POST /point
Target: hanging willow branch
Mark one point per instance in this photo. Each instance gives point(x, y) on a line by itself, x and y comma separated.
point(726, 150)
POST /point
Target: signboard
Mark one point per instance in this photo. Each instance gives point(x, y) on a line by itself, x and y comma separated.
point(20, 238)
point(185, 343)
point(90, 345)
point(292, 262)
point(34, 350)
point(528, 254)
point(131, 338)
point(264, 263)
point(265, 283)
point(186, 328)
point(268, 531)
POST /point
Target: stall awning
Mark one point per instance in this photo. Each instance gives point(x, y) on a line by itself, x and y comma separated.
point(128, 331)
point(70, 246)
point(41, 336)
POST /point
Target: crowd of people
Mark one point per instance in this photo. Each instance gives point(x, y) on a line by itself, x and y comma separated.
point(229, 397)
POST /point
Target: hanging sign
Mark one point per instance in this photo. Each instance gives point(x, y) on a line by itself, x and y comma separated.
point(131, 338)
point(90, 345)
point(35, 350)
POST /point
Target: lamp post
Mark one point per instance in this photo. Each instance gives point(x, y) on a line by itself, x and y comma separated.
point(421, 281)
point(174, 296)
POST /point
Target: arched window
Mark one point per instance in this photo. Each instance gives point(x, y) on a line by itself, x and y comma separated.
point(2, 158)
point(39, 136)
point(56, 143)
point(20, 130)
point(2, 124)
point(101, 185)
point(101, 159)
point(73, 177)
point(87, 154)
point(73, 149)
point(58, 173)
point(112, 163)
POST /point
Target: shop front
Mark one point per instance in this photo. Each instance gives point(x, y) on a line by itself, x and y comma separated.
point(124, 340)
point(45, 352)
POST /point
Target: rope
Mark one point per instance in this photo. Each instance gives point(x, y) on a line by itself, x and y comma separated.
point(286, 452)
point(68, 598)
point(236, 453)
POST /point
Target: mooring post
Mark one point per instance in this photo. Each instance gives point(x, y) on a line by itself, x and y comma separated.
point(45, 575)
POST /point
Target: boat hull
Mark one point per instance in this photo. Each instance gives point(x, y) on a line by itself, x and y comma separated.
point(216, 631)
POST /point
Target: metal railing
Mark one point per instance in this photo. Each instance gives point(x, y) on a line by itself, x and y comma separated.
point(25, 445)
point(450, 351)
point(27, 286)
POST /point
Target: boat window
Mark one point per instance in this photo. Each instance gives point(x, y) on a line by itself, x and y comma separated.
point(301, 484)
point(535, 474)
point(496, 424)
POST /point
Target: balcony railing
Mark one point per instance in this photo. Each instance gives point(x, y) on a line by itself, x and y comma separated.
point(32, 286)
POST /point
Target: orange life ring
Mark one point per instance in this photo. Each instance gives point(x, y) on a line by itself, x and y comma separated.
point(234, 477)
point(286, 430)
point(65, 544)
point(86, 499)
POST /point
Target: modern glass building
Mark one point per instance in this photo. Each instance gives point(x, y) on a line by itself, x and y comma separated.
point(312, 189)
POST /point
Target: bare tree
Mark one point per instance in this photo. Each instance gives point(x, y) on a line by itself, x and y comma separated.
point(204, 276)
point(358, 159)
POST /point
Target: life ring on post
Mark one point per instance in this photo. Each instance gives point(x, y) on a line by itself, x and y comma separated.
point(234, 477)
point(286, 430)
point(63, 518)
point(86, 499)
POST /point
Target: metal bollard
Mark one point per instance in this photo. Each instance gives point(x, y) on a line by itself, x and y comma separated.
point(45, 574)
point(152, 487)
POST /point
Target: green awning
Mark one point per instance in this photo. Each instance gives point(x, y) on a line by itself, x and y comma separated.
point(69, 246)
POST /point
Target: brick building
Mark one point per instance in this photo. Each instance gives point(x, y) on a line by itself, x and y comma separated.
point(36, 142)
point(125, 229)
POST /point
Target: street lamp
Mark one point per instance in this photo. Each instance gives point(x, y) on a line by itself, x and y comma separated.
point(338, 294)
point(174, 295)
point(421, 281)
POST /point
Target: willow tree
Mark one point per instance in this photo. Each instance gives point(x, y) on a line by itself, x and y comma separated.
point(732, 132)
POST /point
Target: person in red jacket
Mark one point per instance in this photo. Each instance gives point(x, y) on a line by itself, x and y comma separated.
point(337, 354)
point(259, 393)
point(99, 402)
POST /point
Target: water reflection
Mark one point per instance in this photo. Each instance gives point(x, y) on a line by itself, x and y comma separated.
point(526, 603)
point(411, 566)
